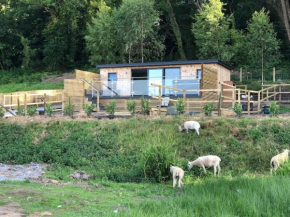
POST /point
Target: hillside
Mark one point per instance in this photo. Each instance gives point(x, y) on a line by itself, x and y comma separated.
point(124, 150)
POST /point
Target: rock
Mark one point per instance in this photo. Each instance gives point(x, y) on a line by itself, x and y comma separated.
point(52, 181)
point(79, 175)
point(85, 177)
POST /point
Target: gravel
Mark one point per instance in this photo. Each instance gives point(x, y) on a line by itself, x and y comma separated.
point(20, 172)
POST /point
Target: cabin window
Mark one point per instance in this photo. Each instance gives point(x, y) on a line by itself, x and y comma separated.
point(112, 80)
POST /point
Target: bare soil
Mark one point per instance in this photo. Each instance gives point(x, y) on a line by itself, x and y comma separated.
point(58, 78)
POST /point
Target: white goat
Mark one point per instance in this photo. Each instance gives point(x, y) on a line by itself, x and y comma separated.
point(190, 125)
point(279, 159)
point(206, 161)
point(177, 173)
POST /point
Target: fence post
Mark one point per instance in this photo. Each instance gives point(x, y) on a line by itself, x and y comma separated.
point(239, 96)
point(268, 95)
point(280, 90)
point(259, 101)
point(274, 74)
point(62, 106)
point(241, 74)
point(249, 98)
point(160, 100)
point(220, 104)
point(44, 102)
point(25, 105)
point(98, 101)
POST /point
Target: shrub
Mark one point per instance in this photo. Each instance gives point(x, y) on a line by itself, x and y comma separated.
point(111, 107)
point(48, 109)
point(180, 106)
point(131, 106)
point(69, 108)
point(238, 109)
point(156, 161)
point(145, 106)
point(89, 109)
point(284, 169)
point(20, 110)
point(31, 110)
point(208, 108)
point(274, 109)
point(2, 112)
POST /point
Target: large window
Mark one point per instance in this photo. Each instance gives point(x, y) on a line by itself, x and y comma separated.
point(112, 81)
point(155, 76)
point(172, 75)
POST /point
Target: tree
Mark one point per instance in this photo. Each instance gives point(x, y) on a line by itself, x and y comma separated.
point(136, 20)
point(262, 41)
point(101, 41)
point(213, 32)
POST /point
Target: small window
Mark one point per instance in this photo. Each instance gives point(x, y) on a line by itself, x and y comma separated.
point(112, 77)
point(198, 74)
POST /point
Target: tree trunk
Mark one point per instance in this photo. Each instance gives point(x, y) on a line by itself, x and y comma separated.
point(286, 18)
point(176, 31)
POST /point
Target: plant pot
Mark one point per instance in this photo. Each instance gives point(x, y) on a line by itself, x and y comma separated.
point(111, 116)
point(41, 112)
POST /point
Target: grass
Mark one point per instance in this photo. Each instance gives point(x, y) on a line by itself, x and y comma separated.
point(284, 109)
point(222, 196)
point(9, 88)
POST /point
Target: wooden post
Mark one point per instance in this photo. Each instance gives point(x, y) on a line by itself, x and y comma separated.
point(220, 104)
point(259, 101)
point(274, 74)
point(280, 90)
point(98, 101)
point(25, 104)
point(11, 101)
point(249, 98)
point(241, 74)
point(184, 98)
point(239, 96)
point(267, 95)
point(3, 100)
point(233, 96)
point(63, 104)
point(44, 102)
point(160, 100)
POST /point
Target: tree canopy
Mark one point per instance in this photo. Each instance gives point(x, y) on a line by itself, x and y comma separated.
point(65, 34)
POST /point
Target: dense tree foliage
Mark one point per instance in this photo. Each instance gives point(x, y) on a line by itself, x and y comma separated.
point(64, 34)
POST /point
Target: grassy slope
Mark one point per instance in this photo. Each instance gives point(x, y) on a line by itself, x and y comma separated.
point(113, 149)
point(8, 88)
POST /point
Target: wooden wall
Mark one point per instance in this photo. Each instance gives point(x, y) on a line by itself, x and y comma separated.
point(89, 76)
point(74, 89)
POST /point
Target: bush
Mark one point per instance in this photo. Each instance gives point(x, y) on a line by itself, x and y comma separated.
point(89, 109)
point(156, 161)
point(180, 106)
point(48, 109)
point(31, 110)
point(238, 109)
point(208, 108)
point(20, 110)
point(2, 112)
point(284, 169)
point(274, 109)
point(111, 107)
point(131, 106)
point(145, 106)
point(69, 108)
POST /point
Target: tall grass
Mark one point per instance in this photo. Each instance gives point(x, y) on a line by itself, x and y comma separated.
point(267, 196)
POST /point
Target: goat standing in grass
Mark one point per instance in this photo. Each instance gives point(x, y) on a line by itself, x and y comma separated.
point(190, 125)
point(177, 173)
point(279, 159)
point(206, 161)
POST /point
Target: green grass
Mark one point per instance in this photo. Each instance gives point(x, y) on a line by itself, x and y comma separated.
point(284, 109)
point(8, 88)
point(221, 196)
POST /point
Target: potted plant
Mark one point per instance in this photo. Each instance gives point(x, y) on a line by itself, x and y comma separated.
point(111, 109)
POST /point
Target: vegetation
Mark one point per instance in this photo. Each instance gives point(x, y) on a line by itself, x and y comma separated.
point(2, 112)
point(89, 109)
point(9, 88)
point(180, 106)
point(49, 110)
point(274, 109)
point(80, 34)
point(124, 150)
point(131, 106)
point(31, 110)
point(238, 109)
point(69, 108)
point(111, 107)
point(20, 109)
point(145, 106)
point(208, 108)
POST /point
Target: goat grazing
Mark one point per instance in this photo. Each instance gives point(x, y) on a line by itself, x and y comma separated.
point(206, 161)
point(177, 173)
point(190, 125)
point(279, 159)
